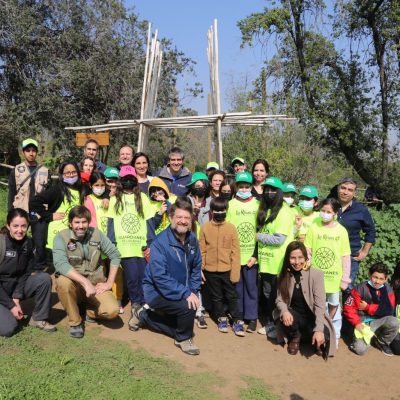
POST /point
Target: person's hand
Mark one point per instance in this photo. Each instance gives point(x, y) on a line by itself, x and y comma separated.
point(361, 255)
point(58, 216)
point(146, 254)
point(89, 288)
point(193, 302)
point(105, 203)
point(163, 208)
point(363, 305)
point(16, 311)
point(251, 262)
point(287, 318)
point(102, 287)
point(298, 220)
point(318, 339)
point(203, 278)
point(360, 327)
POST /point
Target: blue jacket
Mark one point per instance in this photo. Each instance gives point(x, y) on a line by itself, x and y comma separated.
point(174, 270)
point(356, 218)
point(176, 183)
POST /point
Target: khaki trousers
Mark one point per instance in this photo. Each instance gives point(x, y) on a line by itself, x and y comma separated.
point(71, 294)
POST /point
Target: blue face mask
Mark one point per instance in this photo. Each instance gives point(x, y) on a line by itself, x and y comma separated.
point(70, 181)
point(306, 205)
point(243, 195)
point(373, 286)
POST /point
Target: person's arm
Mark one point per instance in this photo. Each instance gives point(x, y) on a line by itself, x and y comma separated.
point(368, 227)
point(276, 239)
point(12, 189)
point(318, 291)
point(44, 202)
point(235, 258)
point(280, 303)
point(346, 267)
point(151, 231)
point(60, 259)
point(203, 247)
point(195, 271)
point(83, 281)
point(351, 306)
point(18, 292)
point(110, 230)
point(5, 299)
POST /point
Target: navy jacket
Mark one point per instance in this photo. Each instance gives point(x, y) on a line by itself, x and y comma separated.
point(176, 183)
point(174, 270)
point(356, 218)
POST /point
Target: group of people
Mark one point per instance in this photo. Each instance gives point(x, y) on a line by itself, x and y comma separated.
point(243, 246)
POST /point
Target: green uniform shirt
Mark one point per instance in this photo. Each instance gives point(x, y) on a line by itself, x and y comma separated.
point(101, 213)
point(328, 246)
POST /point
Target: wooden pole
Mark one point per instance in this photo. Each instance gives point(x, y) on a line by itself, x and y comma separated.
point(209, 130)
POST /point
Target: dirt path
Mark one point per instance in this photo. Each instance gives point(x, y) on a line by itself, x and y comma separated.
point(292, 377)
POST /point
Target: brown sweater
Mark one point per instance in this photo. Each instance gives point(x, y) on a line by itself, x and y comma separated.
point(219, 246)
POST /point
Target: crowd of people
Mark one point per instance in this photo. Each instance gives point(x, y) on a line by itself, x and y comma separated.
point(255, 253)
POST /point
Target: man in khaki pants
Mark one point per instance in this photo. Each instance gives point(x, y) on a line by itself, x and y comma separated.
point(79, 272)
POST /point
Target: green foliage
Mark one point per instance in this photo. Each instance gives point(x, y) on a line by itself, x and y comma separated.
point(3, 206)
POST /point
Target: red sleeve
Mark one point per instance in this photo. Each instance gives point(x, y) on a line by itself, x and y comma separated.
point(392, 299)
point(371, 308)
point(350, 308)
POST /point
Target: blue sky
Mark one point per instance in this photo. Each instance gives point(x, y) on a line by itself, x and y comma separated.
point(186, 24)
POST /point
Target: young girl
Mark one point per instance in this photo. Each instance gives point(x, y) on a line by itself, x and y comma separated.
point(199, 190)
point(275, 226)
point(227, 189)
point(242, 212)
point(112, 177)
point(129, 211)
point(289, 193)
point(308, 202)
point(328, 247)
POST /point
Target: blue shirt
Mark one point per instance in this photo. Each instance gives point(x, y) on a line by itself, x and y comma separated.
point(356, 219)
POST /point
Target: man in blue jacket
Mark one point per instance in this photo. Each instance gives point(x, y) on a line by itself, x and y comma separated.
point(172, 280)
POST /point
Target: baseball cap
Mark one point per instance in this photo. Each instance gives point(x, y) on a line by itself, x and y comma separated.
point(29, 142)
point(309, 191)
point(244, 177)
point(127, 170)
point(289, 187)
point(274, 182)
point(237, 159)
point(111, 172)
point(197, 176)
point(212, 165)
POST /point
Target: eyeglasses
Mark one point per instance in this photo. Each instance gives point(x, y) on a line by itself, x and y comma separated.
point(70, 173)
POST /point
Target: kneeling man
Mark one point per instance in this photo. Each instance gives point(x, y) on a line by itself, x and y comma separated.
point(80, 274)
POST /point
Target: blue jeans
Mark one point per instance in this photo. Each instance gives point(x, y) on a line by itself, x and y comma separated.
point(355, 265)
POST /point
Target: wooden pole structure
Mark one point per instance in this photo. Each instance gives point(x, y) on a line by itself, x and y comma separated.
point(209, 130)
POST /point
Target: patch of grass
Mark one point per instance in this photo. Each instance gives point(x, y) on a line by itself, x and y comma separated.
point(256, 390)
point(37, 365)
point(3, 206)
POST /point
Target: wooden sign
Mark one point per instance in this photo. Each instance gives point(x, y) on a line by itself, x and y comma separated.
point(102, 138)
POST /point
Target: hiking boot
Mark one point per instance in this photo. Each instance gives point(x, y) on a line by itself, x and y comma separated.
point(43, 325)
point(188, 347)
point(134, 323)
point(270, 330)
point(201, 322)
point(223, 324)
point(252, 326)
point(76, 331)
point(238, 328)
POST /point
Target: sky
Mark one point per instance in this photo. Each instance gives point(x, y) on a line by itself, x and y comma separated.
point(186, 22)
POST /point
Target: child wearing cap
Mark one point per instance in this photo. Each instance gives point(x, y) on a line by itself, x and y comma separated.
point(242, 212)
point(129, 211)
point(289, 193)
point(112, 177)
point(308, 201)
point(238, 165)
point(275, 230)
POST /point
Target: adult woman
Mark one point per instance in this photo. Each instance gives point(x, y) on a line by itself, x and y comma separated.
point(87, 166)
point(18, 278)
point(216, 178)
point(300, 303)
point(141, 163)
point(53, 204)
point(260, 171)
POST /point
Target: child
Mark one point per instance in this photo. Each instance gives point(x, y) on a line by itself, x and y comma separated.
point(289, 193)
point(308, 201)
point(219, 246)
point(328, 246)
point(370, 308)
point(112, 177)
point(242, 213)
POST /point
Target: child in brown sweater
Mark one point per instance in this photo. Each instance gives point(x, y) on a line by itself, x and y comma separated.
point(219, 246)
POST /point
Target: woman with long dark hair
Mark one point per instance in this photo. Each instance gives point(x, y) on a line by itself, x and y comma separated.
point(260, 172)
point(141, 163)
point(300, 304)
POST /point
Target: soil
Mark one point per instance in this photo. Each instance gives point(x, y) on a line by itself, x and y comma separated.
point(304, 376)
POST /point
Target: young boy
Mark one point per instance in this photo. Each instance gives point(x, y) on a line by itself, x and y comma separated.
point(370, 308)
point(219, 246)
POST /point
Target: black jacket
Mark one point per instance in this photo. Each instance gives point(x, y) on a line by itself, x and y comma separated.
point(16, 267)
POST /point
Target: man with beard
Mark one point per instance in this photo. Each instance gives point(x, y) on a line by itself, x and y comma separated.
point(172, 280)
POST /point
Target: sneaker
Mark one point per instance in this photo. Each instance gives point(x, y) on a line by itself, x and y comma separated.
point(238, 328)
point(386, 350)
point(262, 331)
point(76, 331)
point(121, 309)
point(271, 330)
point(43, 325)
point(252, 326)
point(134, 321)
point(188, 347)
point(201, 322)
point(90, 320)
point(223, 324)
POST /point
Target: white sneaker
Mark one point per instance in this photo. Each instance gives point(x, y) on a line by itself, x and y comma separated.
point(262, 331)
point(271, 330)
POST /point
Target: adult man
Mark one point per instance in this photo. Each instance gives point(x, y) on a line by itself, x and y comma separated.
point(79, 273)
point(172, 279)
point(90, 150)
point(174, 174)
point(238, 165)
point(126, 153)
point(356, 218)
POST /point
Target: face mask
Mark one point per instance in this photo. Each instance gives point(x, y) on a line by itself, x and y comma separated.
point(373, 286)
point(219, 217)
point(243, 195)
point(225, 196)
point(128, 184)
point(98, 191)
point(306, 205)
point(70, 181)
point(326, 217)
point(289, 200)
point(200, 192)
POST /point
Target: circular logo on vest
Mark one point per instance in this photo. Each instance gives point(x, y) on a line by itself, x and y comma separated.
point(130, 223)
point(21, 169)
point(104, 223)
point(71, 246)
point(246, 232)
point(324, 258)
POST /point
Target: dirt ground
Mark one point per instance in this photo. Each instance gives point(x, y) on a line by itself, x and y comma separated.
point(304, 376)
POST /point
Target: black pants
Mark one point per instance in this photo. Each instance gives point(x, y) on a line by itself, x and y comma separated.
point(222, 290)
point(268, 282)
point(302, 325)
point(173, 318)
point(39, 236)
point(37, 286)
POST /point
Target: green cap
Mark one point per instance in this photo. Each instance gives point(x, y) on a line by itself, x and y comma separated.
point(309, 191)
point(289, 187)
point(111, 173)
point(197, 176)
point(29, 142)
point(274, 182)
point(244, 177)
point(237, 159)
point(212, 165)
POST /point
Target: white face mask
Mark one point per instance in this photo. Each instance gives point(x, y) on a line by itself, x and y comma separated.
point(289, 200)
point(326, 217)
point(98, 191)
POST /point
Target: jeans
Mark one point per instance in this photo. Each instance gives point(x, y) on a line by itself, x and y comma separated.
point(355, 265)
